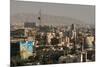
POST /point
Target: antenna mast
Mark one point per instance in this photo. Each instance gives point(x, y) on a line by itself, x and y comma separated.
point(39, 18)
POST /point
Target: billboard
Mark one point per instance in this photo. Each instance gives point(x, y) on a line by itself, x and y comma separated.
point(26, 49)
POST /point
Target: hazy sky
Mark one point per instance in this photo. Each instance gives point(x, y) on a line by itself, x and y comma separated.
point(84, 13)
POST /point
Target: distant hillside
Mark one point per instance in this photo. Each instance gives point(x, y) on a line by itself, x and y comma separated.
point(45, 19)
